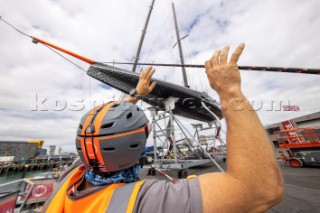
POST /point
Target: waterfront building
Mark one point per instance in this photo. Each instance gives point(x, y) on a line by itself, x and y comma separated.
point(42, 152)
point(21, 150)
point(55, 150)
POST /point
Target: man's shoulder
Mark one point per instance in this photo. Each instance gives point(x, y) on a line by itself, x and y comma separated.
point(167, 184)
point(76, 164)
point(165, 196)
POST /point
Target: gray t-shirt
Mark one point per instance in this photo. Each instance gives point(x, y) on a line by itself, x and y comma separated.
point(158, 196)
point(161, 196)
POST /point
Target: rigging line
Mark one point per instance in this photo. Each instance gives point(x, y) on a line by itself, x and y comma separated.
point(153, 44)
point(173, 56)
point(55, 51)
point(248, 68)
point(16, 29)
point(193, 60)
point(193, 79)
point(21, 32)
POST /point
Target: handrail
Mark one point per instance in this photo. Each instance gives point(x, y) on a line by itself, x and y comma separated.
point(21, 180)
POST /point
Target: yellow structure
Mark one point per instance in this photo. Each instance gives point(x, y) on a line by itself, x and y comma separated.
point(39, 142)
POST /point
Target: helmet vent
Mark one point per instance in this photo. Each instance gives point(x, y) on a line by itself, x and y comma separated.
point(129, 115)
point(134, 146)
point(109, 149)
point(138, 109)
point(107, 125)
point(79, 148)
point(80, 126)
point(115, 105)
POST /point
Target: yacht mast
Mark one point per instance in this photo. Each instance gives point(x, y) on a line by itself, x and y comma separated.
point(136, 58)
point(184, 75)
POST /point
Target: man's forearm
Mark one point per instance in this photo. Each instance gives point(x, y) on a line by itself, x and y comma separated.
point(253, 182)
point(250, 155)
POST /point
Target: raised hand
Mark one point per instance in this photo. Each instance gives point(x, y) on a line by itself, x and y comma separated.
point(224, 77)
point(144, 88)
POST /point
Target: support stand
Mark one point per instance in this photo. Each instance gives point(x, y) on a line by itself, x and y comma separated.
point(174, 155)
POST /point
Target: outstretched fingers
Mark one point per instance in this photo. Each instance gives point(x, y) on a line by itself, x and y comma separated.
point(213, 61)
point(145, 72)
point(150, 74)
point(152, 86)
point(224, 55)
point(215, 58)
point(236, 54)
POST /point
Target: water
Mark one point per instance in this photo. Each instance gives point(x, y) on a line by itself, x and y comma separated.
point(16, 176)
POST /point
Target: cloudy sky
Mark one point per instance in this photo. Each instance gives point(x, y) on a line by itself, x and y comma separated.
point(34, 79)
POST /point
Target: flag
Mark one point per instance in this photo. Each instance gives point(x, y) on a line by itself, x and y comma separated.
point(40, 191)
point(8, 201)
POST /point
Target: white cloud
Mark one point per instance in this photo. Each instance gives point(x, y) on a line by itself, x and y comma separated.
point(277, 33)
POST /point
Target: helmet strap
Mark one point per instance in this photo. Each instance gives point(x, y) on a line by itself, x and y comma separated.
point(93, 163)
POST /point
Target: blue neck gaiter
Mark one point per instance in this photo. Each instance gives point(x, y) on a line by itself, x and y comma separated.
point(123, 176)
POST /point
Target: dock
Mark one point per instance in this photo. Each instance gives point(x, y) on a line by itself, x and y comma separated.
point(40, 163)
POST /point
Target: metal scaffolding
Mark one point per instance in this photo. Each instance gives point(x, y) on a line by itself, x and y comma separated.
point(172, 157)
